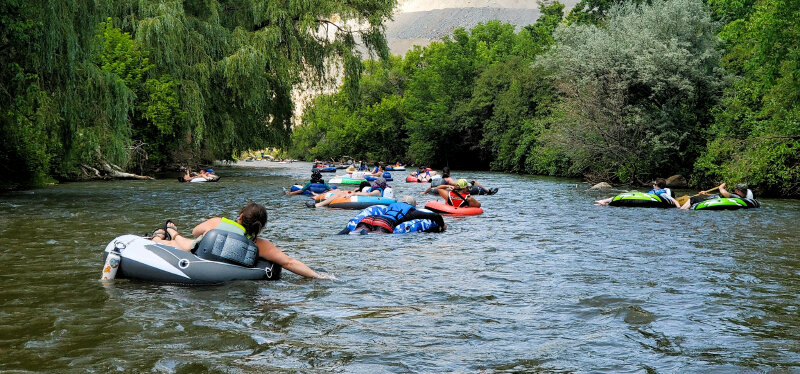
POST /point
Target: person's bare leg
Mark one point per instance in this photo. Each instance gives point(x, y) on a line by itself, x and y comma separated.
point(603, 201)
point(445, 195)
point(177, 241)
point(330, 198)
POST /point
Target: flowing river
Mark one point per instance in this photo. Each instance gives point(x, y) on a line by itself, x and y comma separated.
point(543, 281)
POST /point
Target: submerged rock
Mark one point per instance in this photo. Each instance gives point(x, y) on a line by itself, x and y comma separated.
point(635, 315)
point(601, 186)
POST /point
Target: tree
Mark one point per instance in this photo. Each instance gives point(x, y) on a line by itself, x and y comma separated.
point(756, 132)
point(205, 78)
point(636, 92)
point(238, 61)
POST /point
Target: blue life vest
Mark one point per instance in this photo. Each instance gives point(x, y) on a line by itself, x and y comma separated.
point(661, 191)
point(396, 211)
point(413, 225)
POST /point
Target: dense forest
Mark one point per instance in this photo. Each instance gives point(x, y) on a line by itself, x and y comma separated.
point(615, 90)
point(91, 87)
point(619, 91)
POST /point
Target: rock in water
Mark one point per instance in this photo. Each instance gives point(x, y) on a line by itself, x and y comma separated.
point(677, 181)
point(601, 186)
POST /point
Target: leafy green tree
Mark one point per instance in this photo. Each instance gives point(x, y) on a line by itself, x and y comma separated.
point(204, 78)
point(236, 62)
point(439, 91)
point(636, 92)
point(756, 132)
point(594, 12)
point(506, 97)
point(157, 114)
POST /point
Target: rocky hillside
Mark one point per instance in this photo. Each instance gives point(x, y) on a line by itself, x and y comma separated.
point(422, 21)
point(419, 22)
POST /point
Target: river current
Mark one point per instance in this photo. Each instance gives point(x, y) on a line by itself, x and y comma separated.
point(544, 281)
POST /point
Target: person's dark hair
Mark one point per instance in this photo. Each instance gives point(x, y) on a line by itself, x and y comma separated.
point(661, 183)
point(446, 172)
point(316, 176)
point(364, 184)
point(254, 218)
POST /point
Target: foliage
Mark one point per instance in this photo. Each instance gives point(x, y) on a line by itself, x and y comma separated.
point(594, 12)
point(756, 132)
point(635, 93)
point(177, 81)
point(157, 116)
point(440, 104)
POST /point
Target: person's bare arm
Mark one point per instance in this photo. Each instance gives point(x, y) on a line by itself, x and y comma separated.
point(206, 226)
point(268, 250)
point(723, 191)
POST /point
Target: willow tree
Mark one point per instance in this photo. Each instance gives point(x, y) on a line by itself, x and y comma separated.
point(236, 62)
point(216, 76)
point(58, 110)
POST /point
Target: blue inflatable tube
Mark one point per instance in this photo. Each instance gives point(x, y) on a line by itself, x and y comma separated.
point(413, 225)
point(315, 187)
point(386, 175)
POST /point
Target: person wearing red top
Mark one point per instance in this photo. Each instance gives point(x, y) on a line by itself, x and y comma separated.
point(458, 195)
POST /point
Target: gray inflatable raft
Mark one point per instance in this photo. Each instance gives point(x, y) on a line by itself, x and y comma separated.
point(144, 259)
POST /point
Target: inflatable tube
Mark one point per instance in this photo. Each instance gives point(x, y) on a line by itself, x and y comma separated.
point(395, 168)
point(314, 187)
point(198, 180)
point(727, 203)
point(346, 180)
point(144, 259)
point(413, 225)
point(413, 179)
point(328, 169)
point(323, 196)
point(359, 202)
point(641, 200)
point(443, 208)
point(386, 175)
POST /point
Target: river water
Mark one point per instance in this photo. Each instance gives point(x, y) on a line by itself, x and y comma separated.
point(543, 281)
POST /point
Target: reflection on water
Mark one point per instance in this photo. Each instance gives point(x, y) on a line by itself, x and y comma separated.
point(544, 281)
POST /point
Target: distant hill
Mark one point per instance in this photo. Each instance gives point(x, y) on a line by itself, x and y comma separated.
point(422, 21)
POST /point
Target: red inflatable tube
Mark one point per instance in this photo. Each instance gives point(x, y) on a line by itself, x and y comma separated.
point(442, 208)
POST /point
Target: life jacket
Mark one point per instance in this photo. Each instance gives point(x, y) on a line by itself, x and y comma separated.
point(458, 201)
point(397, 211)
point(227, 243)
point(662, 192)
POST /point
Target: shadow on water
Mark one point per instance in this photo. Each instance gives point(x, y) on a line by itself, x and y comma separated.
point(543, 281)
